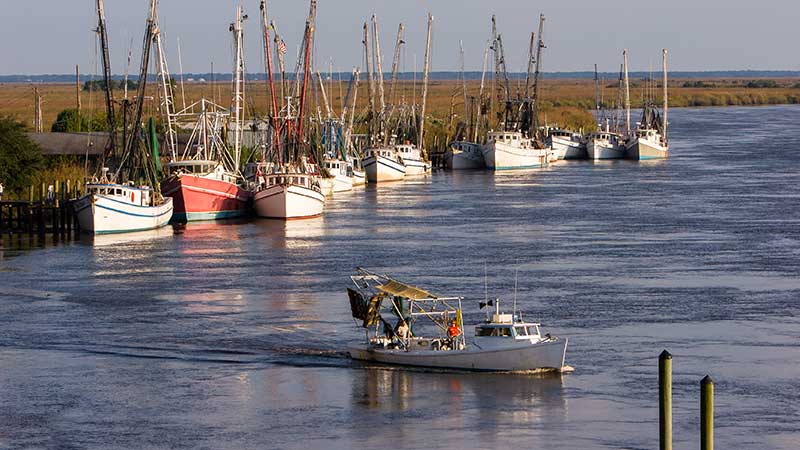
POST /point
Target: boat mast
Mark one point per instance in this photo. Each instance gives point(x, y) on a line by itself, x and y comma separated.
point(467, 116)
point(378, 62)
point(396, 62)
point(531, 61)
point(597, 97)
point(167, 106)
point(666, 102)
point(268, 61)
point(354, 89)
point(618, 112)
point(308, 40)
point(627, 92)
point(109, 93)
point(371, 81)
point(539, 47)
point(480, 94)
point(496, 79)
point(425, 73)
point(238, 86)
point(134, 137)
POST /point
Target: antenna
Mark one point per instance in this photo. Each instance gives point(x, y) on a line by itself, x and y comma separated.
point(514, 310)
point(485, 283)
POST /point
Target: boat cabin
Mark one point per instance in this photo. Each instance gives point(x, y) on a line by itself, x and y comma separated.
point(381, 152)
point(127, 193)
point(513, 138)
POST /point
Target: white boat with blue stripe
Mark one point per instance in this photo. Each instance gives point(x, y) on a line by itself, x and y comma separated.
point(121, 208)
point(511, 150)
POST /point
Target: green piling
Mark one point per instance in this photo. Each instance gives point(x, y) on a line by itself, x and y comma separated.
point(707, 414)
point(665, 400)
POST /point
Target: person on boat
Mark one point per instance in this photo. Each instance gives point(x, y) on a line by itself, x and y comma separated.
point(453, 331)
point(403, 332)
point(1, 191)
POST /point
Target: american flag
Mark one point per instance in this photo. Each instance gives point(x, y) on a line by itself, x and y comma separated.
point(282, 47)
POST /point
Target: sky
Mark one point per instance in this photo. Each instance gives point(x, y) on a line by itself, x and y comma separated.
point(51, 36)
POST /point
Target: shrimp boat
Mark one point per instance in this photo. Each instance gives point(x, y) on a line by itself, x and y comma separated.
point(203, 180)
point(463, 155)
point(605, 145)
point(420, 336)
point(566, 144)
point(288, 192)
point(511, 150)
point(412, 158)
point(111, 204)
point(383, 164)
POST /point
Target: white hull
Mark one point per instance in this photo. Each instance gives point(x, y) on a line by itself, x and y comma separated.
point(642, 149)
point(567, 148)
point(380, 169)
point(288, 201)
point(100, 214)
point(468, 157)
point(599, 149)
point(338, 183)
point(501, 156)
point(359, 178)
point(416, 167)
point(541, 356)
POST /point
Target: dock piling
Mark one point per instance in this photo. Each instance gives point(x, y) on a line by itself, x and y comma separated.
point(707, 414)
point(665, 400)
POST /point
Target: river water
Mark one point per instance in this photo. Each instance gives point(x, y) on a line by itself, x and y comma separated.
point(230, 335)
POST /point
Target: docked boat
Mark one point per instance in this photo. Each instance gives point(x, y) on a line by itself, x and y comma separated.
point(605, 145)
point(511, 150)
point(649, 140)
point(412, 158)
point(383, 164)
point(110, 203)
point(120, 208)
point(339, 176)
point(204, 190)
point(463, 155)
point(566, 144)
point(408, 326)
point(288, 193)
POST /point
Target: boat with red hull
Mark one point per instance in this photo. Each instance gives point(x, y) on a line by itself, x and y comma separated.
point(202, 194)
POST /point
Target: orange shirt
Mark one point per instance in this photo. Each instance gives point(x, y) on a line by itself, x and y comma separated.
point(453, 331)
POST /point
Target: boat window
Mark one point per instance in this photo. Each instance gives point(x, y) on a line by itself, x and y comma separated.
point(483, 331)
point(502, 332)
point(521, 331)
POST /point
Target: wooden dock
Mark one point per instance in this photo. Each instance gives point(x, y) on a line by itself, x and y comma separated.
point(51, 213)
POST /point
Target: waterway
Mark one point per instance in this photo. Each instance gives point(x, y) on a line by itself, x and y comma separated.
point(230, 335)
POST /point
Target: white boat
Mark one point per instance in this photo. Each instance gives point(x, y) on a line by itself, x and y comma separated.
point(567, 144)
point(510, 150)
point(412, 158)
point(340, 175)
point(120, 208)
point(463, 155)
point(605, 145)
point(383, 164)
point(647, 143)
point(289, 195)
point(504, 342)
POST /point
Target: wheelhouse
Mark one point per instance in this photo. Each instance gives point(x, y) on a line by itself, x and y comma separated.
point(133, 195)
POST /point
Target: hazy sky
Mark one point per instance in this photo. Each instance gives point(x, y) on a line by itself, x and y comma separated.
point(51, 36)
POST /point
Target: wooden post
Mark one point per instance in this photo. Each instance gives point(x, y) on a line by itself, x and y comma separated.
point(665, 400)
point(707, 414)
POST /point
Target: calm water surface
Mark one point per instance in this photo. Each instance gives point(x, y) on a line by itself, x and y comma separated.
point(229, 336)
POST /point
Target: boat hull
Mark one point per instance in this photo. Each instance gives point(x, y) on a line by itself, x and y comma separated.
point(542, 356)
point(380, 169)
point(499, 156)
point(597, 150)
point(642, 149)
point(99, 214)
point(288, 201)
point(467, 157)
point(567, 148)
point(415, 167)
point(199, 198)
point(359, 177)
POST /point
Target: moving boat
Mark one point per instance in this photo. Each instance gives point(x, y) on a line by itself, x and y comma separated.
point(510, 150)
point(421, 336)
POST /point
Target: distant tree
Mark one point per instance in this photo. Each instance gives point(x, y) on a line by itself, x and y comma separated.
point(20, 158)
point(70, 121)
point(100, 85)
point(762, 84)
